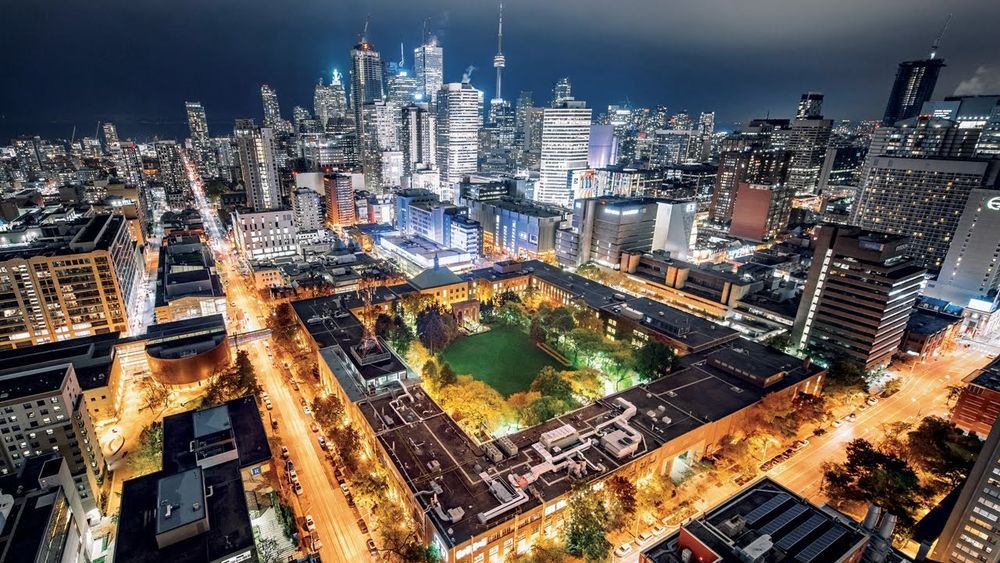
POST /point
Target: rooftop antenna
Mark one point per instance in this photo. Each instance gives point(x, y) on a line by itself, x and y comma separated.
point(364, 33)
point(937, 40)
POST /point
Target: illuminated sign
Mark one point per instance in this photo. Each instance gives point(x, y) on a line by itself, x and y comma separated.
point(993, 204)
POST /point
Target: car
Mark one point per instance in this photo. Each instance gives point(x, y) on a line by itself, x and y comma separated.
point(295, 385)
point(350, 499)
point(293, 476)
point(297, 488)
point(284, 452)
point(343, 487)
point(362, 526)
point(310, 524)
point(302, 401)
point(837, 423)
point(819, 431)
point(264, 396)
point(872, 401)
point(274, 423)
point(372, 550)
point(643, 538)
point(316, 544)
point(863, 407)
point(799, 444)
point(658, 530)
point(623, 550)
point(338, 474)
point(766, 466)
point(313, 427)
point(322, 443)
point(851, 417)
point(307, 410)
point(289, 465)
point(268, 405)
point(788, 452)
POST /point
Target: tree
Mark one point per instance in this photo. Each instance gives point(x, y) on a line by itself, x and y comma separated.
point(328, 411)
point(347, 441)
point(550, 383)
point(871, 476)
point(954, 392)
point(448, 375)
point(236, 381)
point(154, 394)
point(587, 528)
point(938, 447)
point(401, 337)
point(846, 374)
point(653, 360)
point(147, 456)
point(587, 383)
point(436, 328)
point(474, 405)
point(430, 374)
point(621, 501)
point(560, 321)
point(283, 325)
point(541, 552)
point(384, 325)
point(542, 409)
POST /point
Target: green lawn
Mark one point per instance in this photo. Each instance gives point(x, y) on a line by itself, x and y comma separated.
point(504, 358)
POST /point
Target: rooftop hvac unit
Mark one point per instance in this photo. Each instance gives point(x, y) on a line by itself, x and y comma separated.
point(492, 452)
point(619, 444)
point(559, 437)
point(507, 446)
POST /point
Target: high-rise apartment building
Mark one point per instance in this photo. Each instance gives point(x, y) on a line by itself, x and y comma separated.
point(459, 120)
point(761, 211)
point(81, 280)
point(914, 85)
point(861, 289)
point(565, 140)
point(340, 209)
point(604, 227)
point(272, 111)
point(971, 533)
point(258, 164)
point(266, 235)
point(810, 106)
point(173, 175)
point(308, 209)
point(418, 138)
point(201, 143)
point(367, 70)
point(561, 90)
point(808, 139)
point(330, 100)
point(922, 198)
point(428, 69)
point(747, 166)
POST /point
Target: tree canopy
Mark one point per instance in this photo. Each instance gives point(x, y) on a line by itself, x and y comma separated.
point(870, 475)
point(586, 531)
point(436, 328)
point(653, 360)
point(236, 381)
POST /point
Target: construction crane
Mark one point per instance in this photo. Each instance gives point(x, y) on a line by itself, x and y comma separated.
point(937, 40)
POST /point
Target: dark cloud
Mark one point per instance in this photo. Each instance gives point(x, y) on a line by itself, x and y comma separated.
point(75, 62)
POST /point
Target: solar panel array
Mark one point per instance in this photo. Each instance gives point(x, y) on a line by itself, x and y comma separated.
point(783, 519)
point(767, 508)
point(800, 532)
point(816, 548)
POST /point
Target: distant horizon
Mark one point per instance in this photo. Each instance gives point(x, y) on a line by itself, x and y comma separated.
point(143, 61)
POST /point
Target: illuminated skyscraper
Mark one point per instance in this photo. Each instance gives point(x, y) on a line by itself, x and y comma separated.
point(272, 112)
point(914, 85)
point(366, 88)
point(459, 120)
point(810, 106)
point(201, 144)
point(259, 166)
point(428, 68)
point(564, 147)
point(562, 90)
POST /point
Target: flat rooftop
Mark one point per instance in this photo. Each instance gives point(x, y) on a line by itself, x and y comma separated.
point(91, 357)
point(183, 494)
point(239, 415)
point(798, 530)
point(19, 386)
point(434, 454)
point(988, 377)
point(695, 332)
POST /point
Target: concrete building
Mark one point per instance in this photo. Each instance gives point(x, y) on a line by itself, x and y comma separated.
point(761, 211)
point(747, 166)
point(565, 141)
point(808, 139)
point(767, 522)
point(172, 174)
point(970, 533)
point(978, 407)
point(914, 85)
point(197, 503)
point(922, 198)
point(187, 282)
point(459, 120)
point(80, 279)
point(675, 230)
point(339, 195)
point(307, 208)
point(259, 165)
point(861, 289)
point(418, 138)
point(970, 273)
point(604, 227)
point(516, 228)
point(266, 235)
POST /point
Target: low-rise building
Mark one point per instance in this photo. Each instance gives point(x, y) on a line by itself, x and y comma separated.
point(187, 283)
point(266, 235)
point(978, 406)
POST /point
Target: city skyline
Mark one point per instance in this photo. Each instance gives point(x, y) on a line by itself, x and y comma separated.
point(221, 62)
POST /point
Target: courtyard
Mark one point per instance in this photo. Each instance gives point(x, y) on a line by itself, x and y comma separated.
point(504, 358)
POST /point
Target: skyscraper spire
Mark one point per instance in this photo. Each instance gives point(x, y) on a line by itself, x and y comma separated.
point(498, 60)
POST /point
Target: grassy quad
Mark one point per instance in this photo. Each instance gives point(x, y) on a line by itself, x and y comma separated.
point(504, 358)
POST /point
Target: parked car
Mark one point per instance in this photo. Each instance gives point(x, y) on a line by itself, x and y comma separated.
point(313, 427)
point(339, 475)
point(274, 423)
point(851, 417)
point(284, 452)
point(350, 499)
point(302, 401)
point(372, 550)
point(837, 423)
point(297, 488)
point(264, 396)
point(799, 444)
point(872, 401)
point(310, 525)
point(362, 526)
point(293, 475)
point(658, 530)
point(322, 443)
point(289, 465)
point(643, 538)
point(623, 550)
point(268, 405)
point(316, 544)
point(819, 431)
point(343, 487)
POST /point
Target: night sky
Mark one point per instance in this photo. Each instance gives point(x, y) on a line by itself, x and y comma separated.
point(74, 62)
